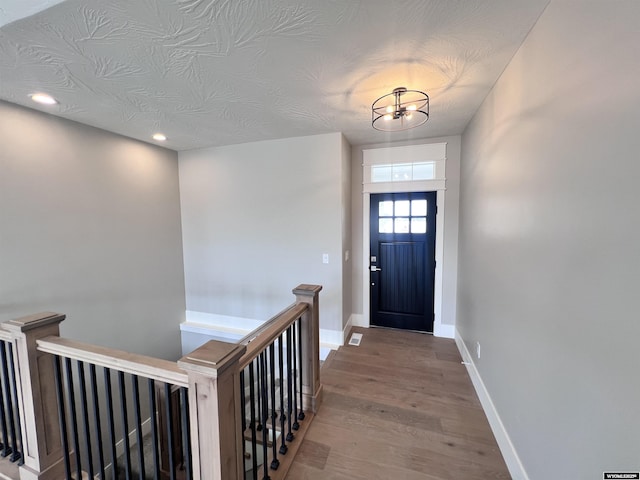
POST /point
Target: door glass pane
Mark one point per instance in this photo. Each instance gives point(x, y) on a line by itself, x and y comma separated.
point(418, 208)
point(402, 208)
point(401, 225)
point(385, 209)
point(385, 225)
point(419, 225)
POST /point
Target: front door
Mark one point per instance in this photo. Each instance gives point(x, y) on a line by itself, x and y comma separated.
point(402, 260)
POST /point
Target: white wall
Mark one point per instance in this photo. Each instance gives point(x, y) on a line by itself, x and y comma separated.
point(549, 235)
point(256, 219)
point(450, 247)
point(90, 227)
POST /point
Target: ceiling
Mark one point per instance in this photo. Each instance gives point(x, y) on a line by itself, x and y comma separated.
point(220, 72)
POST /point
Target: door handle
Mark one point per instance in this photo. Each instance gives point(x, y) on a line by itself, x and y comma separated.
point(375, 269)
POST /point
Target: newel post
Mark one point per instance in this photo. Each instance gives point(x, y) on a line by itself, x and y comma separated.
point(215, 416)
point(310, 337)
point(39, 420)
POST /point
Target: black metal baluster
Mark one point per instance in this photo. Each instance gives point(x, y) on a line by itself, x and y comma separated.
point(264, 414)
point(14, 395)
point(299, 321)
point(294, 354)
point(6, 448)
point(252, 403)
point(275, 463)
point(125, 424)
point(138, 420)
point(62, 415)
point(243, 413)
point(283, 445)
point(153, 409)
point(186, 433)
point(290, 396)
point(169, 414)
point(85, 415)
point(74, 416)
point(96, 416)
point(15, 454)
point(110, 421)
point(259, 425)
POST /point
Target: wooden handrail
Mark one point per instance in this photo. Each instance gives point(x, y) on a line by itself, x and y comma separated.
point(149, 367)
point(264, 335)
point(256, 331)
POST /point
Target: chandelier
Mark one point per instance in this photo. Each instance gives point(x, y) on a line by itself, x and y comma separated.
point(399, 110)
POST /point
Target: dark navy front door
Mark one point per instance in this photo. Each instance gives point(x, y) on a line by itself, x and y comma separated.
point(402, 262)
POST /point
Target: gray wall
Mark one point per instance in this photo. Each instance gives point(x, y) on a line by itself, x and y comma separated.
point(256, 219)
point(90, 227)
point(347, 284)
point(450, 251)
point(549, 235)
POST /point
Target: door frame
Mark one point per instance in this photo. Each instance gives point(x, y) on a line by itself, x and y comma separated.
point(438, 329)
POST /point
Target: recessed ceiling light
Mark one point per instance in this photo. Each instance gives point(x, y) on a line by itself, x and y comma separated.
point(160, 137)
point(43, 98)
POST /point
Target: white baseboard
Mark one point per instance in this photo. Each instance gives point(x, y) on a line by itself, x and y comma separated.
point(331, 338)
point(509, 452)
point(444, 331)
point(347, 329)
point(357, 320)
point(232, 329)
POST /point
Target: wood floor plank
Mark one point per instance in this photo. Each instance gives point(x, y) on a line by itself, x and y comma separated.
point(362, 426)
point(313, 454)
point(433, 402)
point(384, 411)
point(400, 358)
point(401, 406)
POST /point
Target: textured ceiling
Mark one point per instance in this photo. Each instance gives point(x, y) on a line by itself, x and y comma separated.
point(12, 10)
point(220, 72)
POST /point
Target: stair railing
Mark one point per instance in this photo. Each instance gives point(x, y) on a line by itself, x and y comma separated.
point(240, 388)
point(83, 411)
point(10, 431)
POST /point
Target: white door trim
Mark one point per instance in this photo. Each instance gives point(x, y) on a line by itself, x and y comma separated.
point(439, 330)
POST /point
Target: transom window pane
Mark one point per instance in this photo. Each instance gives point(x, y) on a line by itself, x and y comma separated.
point(385, 209)
point(424, 171)
point(385, 225)
point(402, 172)
point(381, 173)
point(419, 225)
point(402, 208)
point(418, 208)
point(401, 225)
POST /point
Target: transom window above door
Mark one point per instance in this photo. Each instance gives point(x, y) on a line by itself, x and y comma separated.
point(402, 216)
point(409, 168)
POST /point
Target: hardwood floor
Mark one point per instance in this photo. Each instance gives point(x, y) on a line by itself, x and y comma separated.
point(399, 406)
